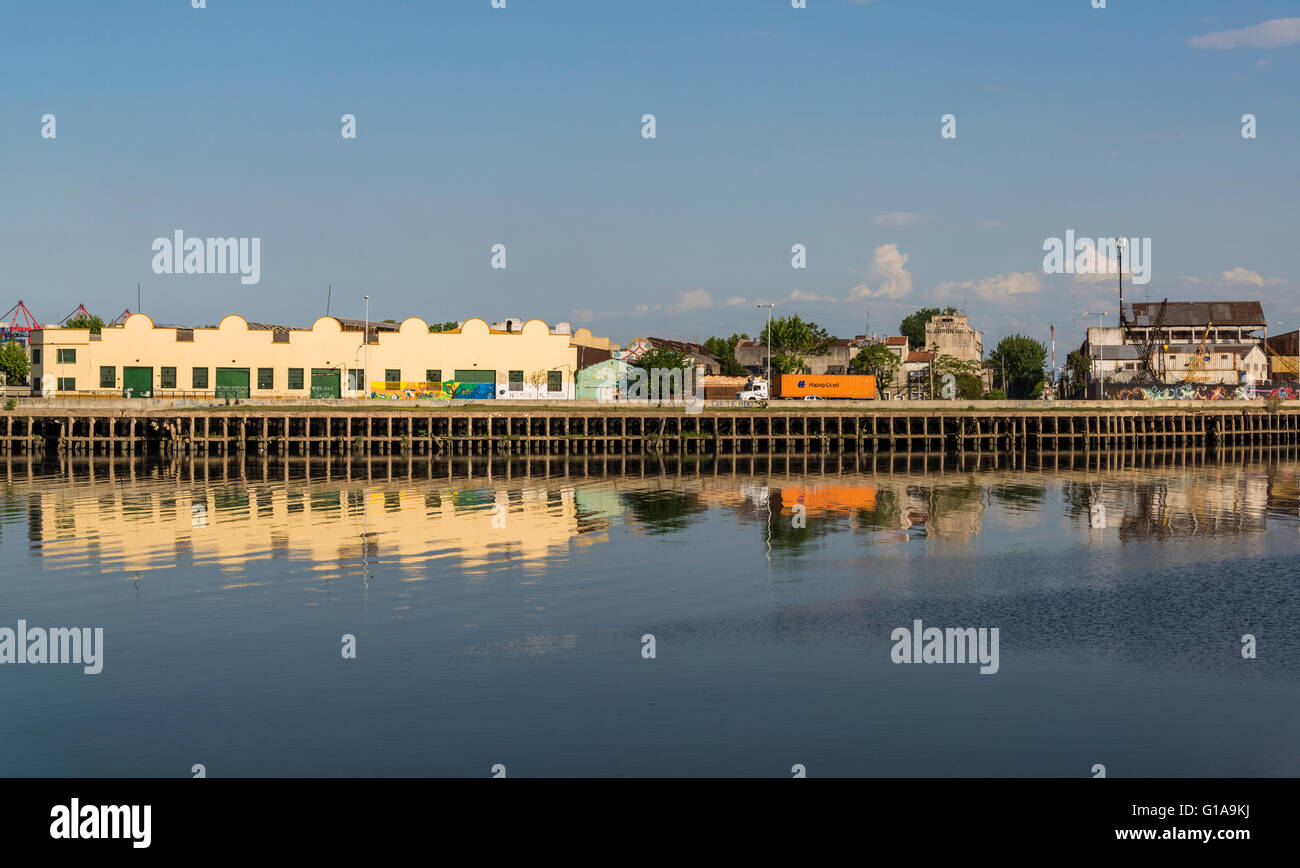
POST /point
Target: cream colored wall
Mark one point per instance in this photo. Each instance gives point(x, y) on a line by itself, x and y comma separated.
point(413, 350)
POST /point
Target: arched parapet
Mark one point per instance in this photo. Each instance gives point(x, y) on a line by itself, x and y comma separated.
point(138, 322)
point(535, 328)
point(413, 325)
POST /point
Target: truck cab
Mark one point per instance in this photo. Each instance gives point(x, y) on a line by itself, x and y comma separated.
point(755, 389)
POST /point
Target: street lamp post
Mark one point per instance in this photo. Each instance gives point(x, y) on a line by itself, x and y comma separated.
point(365, 370)
point(768, 342)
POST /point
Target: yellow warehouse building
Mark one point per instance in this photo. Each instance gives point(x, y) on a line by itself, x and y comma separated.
point(239, 359)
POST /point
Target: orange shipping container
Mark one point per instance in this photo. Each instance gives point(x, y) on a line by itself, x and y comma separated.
point(829, 386)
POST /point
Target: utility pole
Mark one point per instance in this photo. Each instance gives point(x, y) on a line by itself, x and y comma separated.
point(365, 371)
point(768, 346)
point(1053, 328)
point(1119, 255)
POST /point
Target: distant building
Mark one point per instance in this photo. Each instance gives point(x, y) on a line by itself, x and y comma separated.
point(952, 335)
point(696, 354)
point(1284, 356)
point(602, 381)
point(1198, 342)
point(916, 374)
point(752, 355)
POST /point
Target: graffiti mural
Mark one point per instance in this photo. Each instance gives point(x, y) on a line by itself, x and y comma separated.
point(1200, 392)
point(445, 390)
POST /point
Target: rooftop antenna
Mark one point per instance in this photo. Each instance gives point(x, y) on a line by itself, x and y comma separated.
point(138, 306)
point(328, 298)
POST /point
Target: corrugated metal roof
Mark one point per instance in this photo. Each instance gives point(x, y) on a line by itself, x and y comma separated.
point(1180, 314)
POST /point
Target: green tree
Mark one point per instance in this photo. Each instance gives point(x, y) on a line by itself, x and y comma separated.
point(84, 321)
point(1022, 358)
point(1077, 368)
point(791, 340)
point(664, 358)
point(725, 350)
point(913, 326)
point(14, 363)
point(966, 375)
point(450, 325)
point(879, 362)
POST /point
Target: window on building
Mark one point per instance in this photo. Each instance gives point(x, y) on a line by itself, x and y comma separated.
point(392, 375)
point(66, 357)
point(516, 381)
point(554, 381)
point(67, 384)
point(199, 378)
point(185, 335)
point(266, 378)
point(168, 378)
point(36, 356)
point(295, 378)
point(107, 376)
point(433, 375)
point(356, 379)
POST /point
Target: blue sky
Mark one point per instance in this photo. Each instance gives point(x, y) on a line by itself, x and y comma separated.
point(775, 126)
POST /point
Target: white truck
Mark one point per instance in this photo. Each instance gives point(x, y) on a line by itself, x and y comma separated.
point(756, 389)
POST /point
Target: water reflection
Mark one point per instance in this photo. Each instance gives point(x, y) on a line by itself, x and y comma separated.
point(337, 519)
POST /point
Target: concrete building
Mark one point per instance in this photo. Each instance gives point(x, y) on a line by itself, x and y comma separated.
point(915, 373)
point(240, 359)
point(952, 335)
point(1196, 342)
point(603, 381)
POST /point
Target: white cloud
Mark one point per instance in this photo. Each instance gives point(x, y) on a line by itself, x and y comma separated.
point(647, 308)
point(1270, 34)
point(736, 299)
point(899, 218)
point(695, 299)
point(998, 288)
point(1245, 277)
point(888, 270)
point(582, 313)
point(800, 295)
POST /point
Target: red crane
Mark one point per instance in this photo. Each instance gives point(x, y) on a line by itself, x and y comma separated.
point(81, 309)
point(18, 323)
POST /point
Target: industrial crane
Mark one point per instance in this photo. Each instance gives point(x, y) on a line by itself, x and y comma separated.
point(1196, 371)
point(1146, 373)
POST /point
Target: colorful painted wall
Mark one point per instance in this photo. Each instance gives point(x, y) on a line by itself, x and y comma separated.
point(1200, 392)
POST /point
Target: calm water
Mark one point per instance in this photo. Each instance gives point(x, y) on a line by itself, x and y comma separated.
point(499, 619)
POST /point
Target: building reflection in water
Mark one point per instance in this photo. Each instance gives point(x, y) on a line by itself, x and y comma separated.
point(155, 517)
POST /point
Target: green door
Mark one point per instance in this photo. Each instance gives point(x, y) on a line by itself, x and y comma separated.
point(138, 382)
point(325, 383)
point(232, 382)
